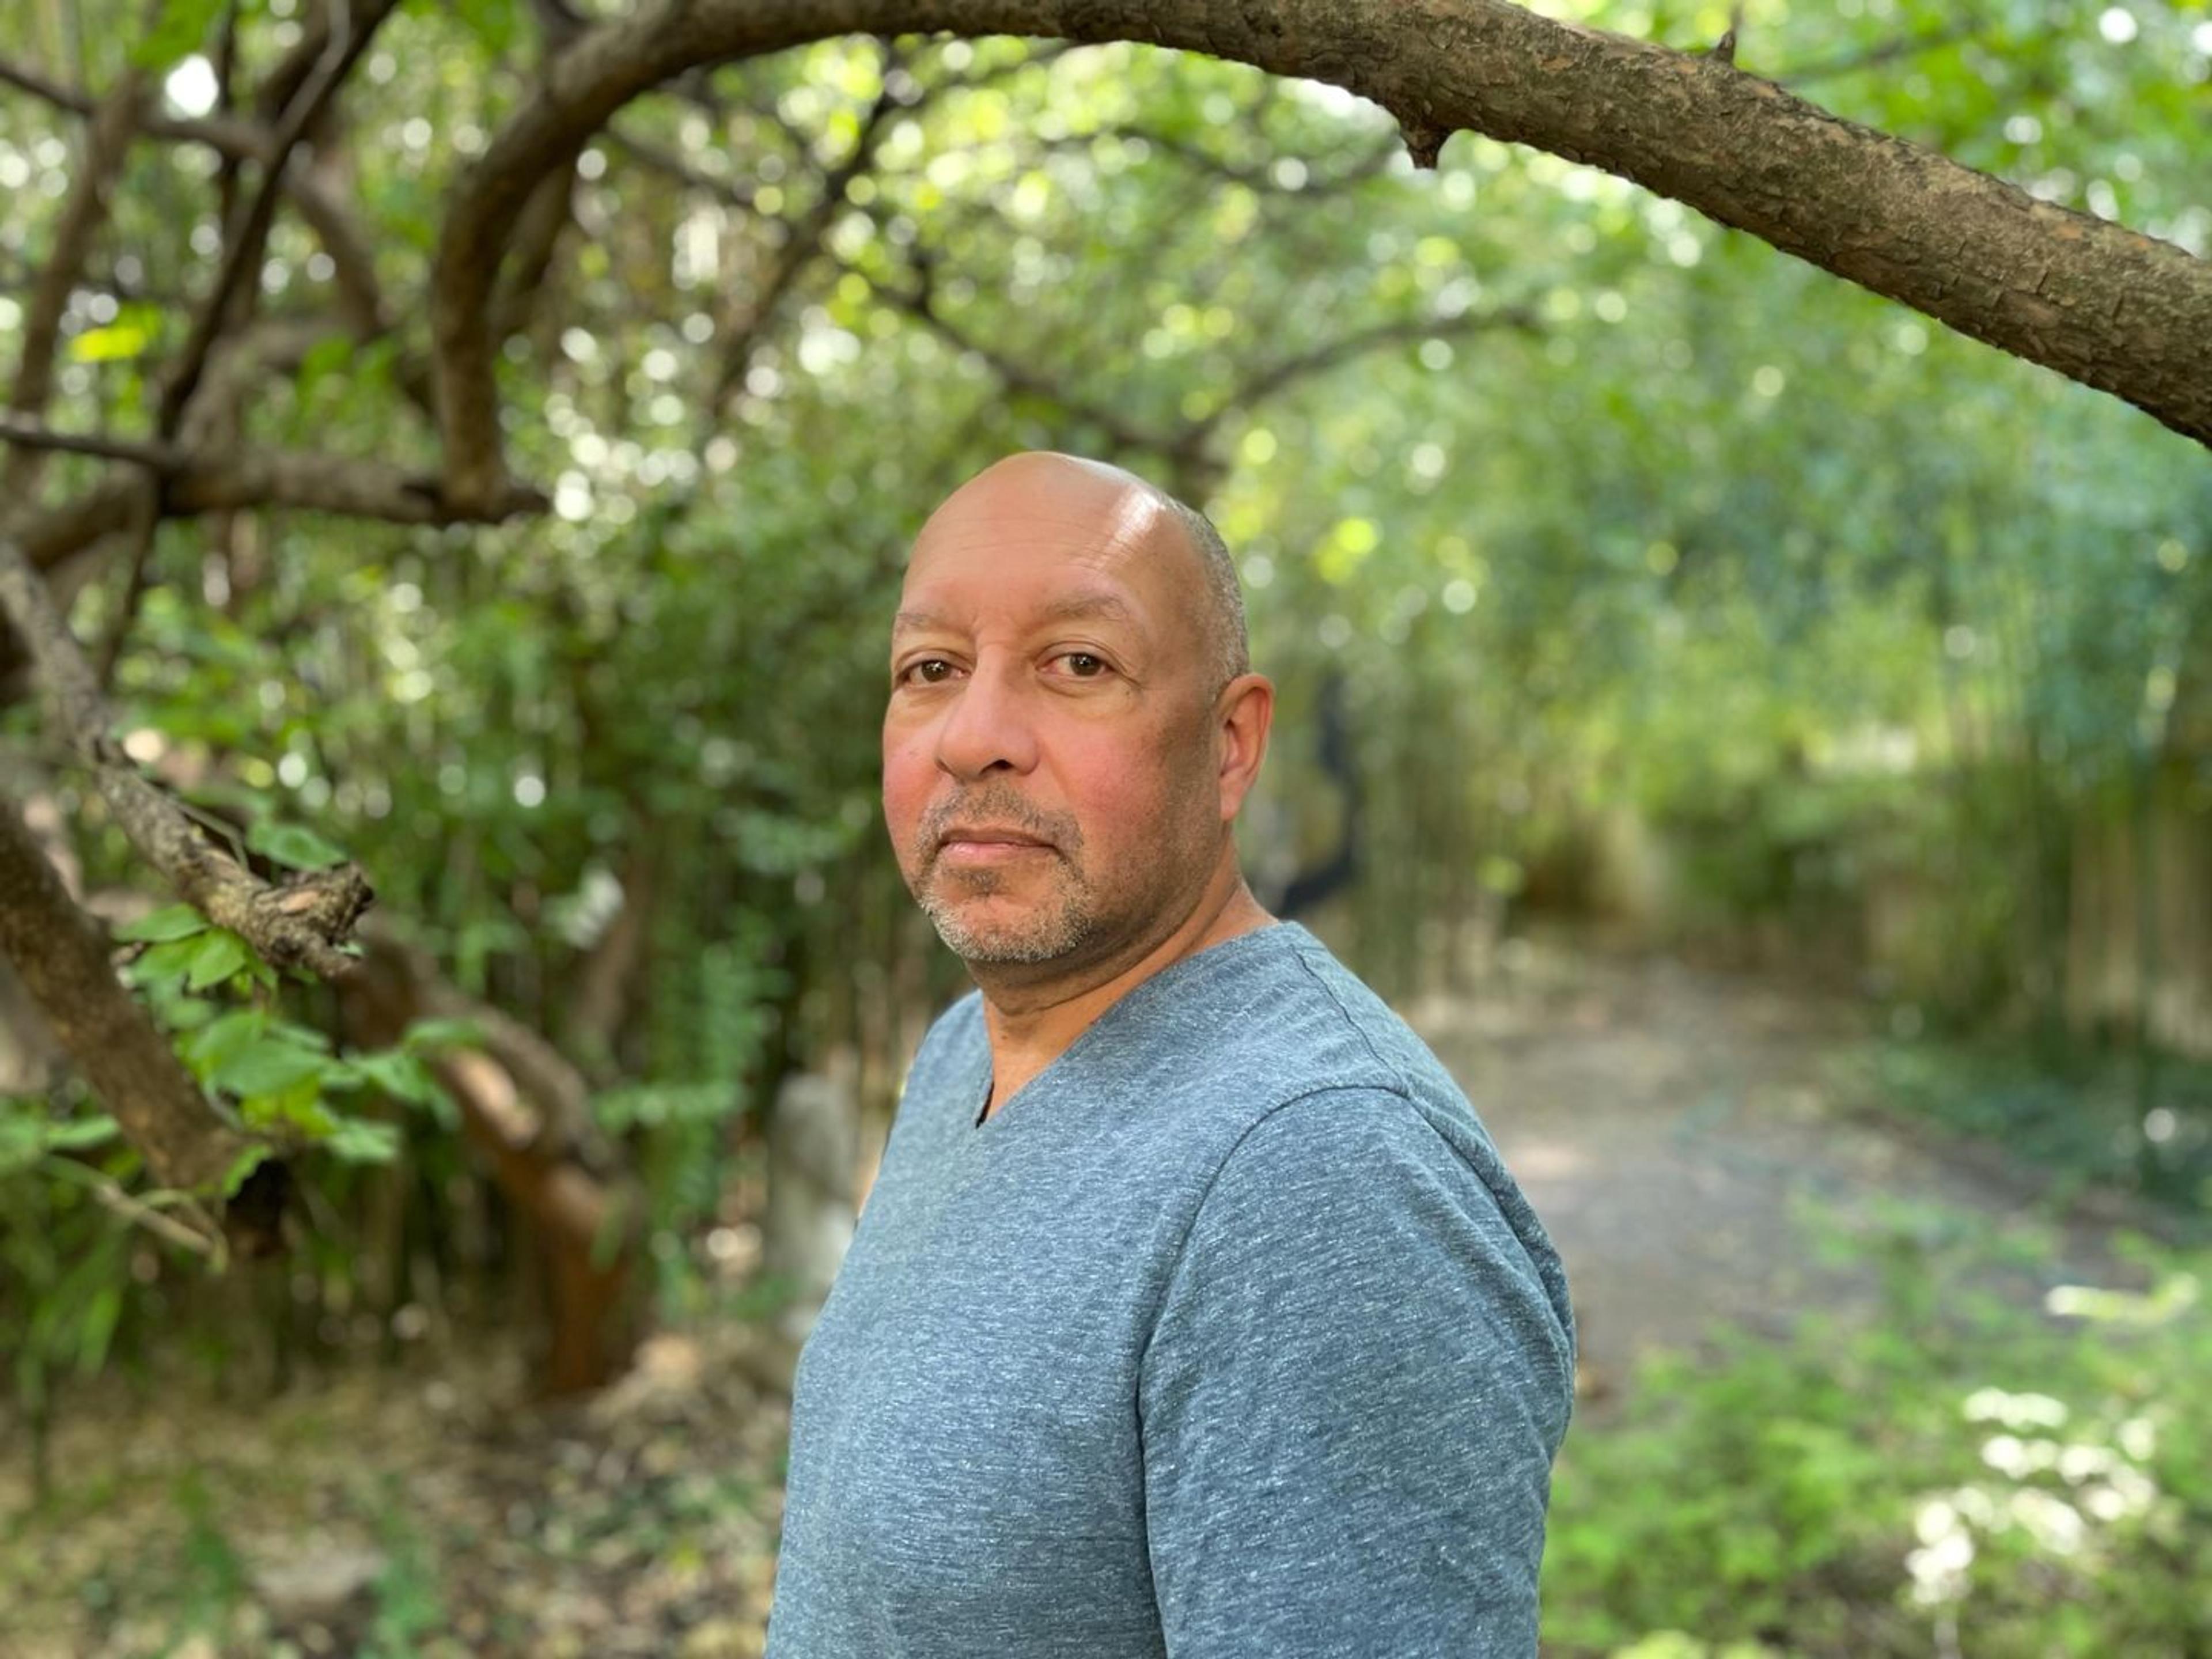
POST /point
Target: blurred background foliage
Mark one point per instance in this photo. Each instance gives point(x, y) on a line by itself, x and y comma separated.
point(1660, 592)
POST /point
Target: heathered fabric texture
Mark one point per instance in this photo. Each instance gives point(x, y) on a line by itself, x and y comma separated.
point(1227, 1335)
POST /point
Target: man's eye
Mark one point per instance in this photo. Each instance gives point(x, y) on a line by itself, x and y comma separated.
point(1084, 664)
point(930, 670)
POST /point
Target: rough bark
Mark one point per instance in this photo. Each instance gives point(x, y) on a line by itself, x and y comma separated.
point(524, 1109)
point(299, 923)
point(2094, 300)
point(61, 954)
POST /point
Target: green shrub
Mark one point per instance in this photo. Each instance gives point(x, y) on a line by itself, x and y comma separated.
point(1992, 1482)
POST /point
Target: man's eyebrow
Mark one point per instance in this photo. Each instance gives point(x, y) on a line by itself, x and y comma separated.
point(915, 622)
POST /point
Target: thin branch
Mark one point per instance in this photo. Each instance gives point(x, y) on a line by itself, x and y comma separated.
point(225, 135)
point(1369, 164)
point(146, 524)
point(352, 252)
point(1412, 331)
point(921, 304)
point(111, 1196)
point(82, 218)
point(735, 192)
point(1888, 51)
point(243, 242)
point(804, 239)
point(31, 435)
point(299, 924)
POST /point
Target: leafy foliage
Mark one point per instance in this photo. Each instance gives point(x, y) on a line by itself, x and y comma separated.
point(1662, 576)
point(1879, 1488)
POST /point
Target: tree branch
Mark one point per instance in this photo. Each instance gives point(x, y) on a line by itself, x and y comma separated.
point(1889, 52)
point(82, 218)
point(62, 957)
point(29, 434)
point(2091, 300)
point(921, 304)
point(803, 239)
point(299, 923)
point(240, 140)
point(230, 483)
point(1367, 165)
point(243, 242)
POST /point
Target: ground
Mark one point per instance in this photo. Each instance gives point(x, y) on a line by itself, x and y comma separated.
point(1678, 1130)
point(1688, 1136)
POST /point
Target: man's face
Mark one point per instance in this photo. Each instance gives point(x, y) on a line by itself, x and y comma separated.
point(1048, 768)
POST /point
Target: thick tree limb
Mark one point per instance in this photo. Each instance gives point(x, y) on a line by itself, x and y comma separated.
point(299, 923)
point(232, 483)
point(2095, 301)
point(62, 957)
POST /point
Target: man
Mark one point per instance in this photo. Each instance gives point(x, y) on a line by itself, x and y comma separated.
point(1192, 1312)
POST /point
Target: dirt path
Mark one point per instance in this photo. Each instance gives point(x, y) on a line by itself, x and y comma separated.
point(1678, 1129)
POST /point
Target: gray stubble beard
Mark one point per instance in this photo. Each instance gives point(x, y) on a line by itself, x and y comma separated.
point(1063, 929)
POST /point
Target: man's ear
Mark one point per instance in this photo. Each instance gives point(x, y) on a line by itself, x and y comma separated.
point(1245, 712)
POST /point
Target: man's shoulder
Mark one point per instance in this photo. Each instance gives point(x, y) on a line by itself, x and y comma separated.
point(1289, 1020)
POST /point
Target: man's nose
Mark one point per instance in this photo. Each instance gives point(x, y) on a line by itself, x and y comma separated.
point(989, 725)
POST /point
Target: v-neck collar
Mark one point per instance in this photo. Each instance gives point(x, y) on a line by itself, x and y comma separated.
point(1126, 1006)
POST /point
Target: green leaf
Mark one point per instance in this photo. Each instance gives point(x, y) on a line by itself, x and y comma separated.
point(167, 963)
point(292, 846)
point(97, 1329)
point(171, 921)
point(399, 1074)
point(325, 357)
point(492, 22)
point(118, 342)
point(23, 1140)
point(179, 29)
point(79, 1134)
point(220, 1043)
point(302, 1036)
point(428, 1037)
point(297, 1105)
point(358, 1141)
point(244, 1165)
point(221, 953)
point(269, 1067)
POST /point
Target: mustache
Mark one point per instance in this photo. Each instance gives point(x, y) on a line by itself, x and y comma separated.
point(998, 806)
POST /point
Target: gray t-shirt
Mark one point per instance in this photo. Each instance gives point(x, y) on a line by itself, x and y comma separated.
point(1227, 1335)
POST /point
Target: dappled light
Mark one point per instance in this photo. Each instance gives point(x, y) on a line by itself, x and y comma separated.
point(1736, 582)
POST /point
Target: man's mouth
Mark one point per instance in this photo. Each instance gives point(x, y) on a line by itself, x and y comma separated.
point(986, 844)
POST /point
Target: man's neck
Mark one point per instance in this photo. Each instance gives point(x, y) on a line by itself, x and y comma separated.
point(1029, 1026)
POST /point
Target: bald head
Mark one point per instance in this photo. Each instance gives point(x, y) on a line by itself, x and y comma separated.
point(1130, 517)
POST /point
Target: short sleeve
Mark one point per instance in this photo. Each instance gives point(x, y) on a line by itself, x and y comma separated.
point(1351, 1399)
